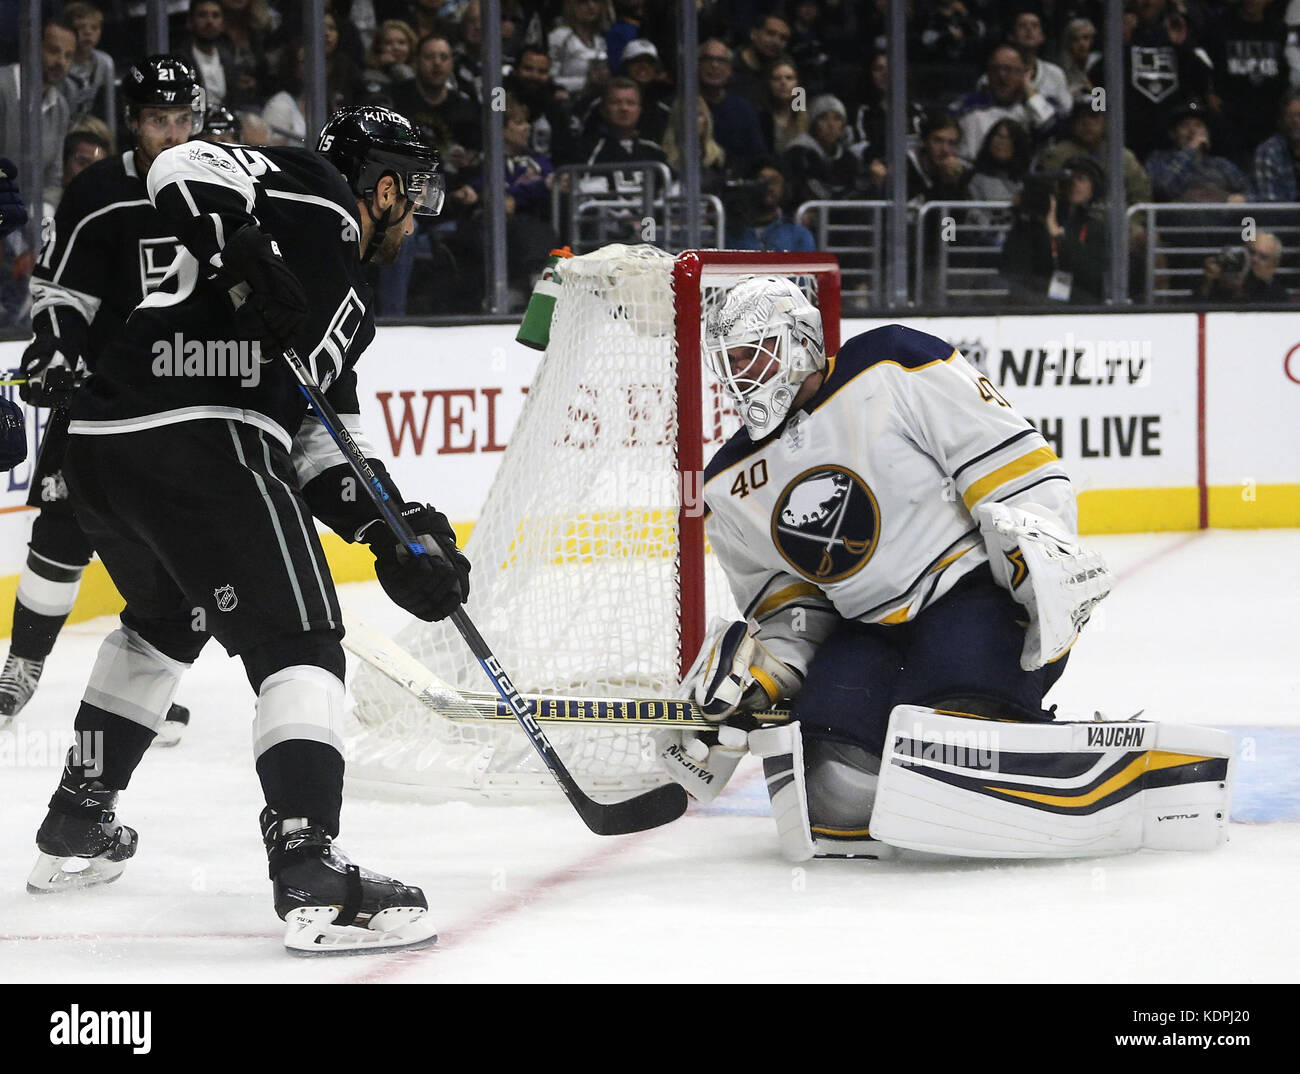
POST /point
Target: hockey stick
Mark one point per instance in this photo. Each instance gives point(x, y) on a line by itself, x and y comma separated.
point(649, 810)
point(390, 659)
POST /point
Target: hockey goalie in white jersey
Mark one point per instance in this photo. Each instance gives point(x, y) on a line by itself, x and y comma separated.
point(904, 548)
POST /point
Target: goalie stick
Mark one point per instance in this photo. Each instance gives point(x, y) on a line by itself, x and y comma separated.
point(648, 810)
point(387, 657)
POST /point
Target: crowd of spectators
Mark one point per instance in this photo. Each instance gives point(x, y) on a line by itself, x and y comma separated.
point(1005, 97)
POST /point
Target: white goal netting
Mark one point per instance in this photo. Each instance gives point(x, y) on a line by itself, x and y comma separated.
point(577, 580)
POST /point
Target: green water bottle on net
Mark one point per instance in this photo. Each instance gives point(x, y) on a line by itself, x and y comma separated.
point(535, 331)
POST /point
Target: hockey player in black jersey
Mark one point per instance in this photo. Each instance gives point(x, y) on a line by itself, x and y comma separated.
point(196, 471)
point(105, 248)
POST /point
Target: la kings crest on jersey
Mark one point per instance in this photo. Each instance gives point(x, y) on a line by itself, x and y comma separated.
point(864, 500)
point(103, 251)
point(208, 191)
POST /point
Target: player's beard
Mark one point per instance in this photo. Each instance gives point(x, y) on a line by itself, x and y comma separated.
point(393, 236)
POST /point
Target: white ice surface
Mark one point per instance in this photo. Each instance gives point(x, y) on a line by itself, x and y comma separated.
point(1201, 629)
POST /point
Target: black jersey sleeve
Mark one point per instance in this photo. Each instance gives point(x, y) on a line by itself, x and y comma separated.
point(332, 491)
point(206, 194)
point(76, 262)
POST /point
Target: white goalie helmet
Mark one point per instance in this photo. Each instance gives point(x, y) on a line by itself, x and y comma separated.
point(762, 342)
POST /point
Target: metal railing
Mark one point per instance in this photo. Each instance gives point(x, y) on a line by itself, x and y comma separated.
point(596, 204)
point(854, 231)
point(956, 246)
point(1177, 237)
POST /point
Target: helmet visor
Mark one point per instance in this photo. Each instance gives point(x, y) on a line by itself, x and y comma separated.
point(425, 191)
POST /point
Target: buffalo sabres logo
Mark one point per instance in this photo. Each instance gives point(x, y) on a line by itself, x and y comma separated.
point(226, 599)
point(826, 523)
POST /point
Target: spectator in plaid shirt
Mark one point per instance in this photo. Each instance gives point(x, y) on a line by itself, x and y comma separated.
point(1277, 160)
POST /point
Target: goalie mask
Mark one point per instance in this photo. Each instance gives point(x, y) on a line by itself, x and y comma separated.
point(762, 342)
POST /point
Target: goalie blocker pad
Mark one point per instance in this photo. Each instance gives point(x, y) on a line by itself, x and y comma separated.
point(960, 785)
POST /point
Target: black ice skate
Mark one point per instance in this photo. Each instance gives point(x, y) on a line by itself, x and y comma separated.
point(331, 905)
point(169, 734)
point(81, 843)
point(17, 684)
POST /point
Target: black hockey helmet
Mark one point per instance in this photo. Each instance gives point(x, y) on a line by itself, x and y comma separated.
point(163, 82)
point(221, 120)
point(367, 142)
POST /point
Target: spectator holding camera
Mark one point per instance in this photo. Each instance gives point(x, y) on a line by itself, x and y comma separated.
point(1189, 171)
point(1056, 249)
point(1277, 160)
point(1244, 273)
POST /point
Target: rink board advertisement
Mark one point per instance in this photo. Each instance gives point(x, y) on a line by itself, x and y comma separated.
point(1118, 398)
point(1252, 419)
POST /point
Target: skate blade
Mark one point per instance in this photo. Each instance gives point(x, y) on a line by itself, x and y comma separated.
point(169, 734)
point(53, 875)
point(310, 931)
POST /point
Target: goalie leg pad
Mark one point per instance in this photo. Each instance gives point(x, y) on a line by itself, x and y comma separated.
point(821, 793)
point(991, 789)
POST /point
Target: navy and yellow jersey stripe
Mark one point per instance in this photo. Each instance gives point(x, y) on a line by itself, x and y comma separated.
point(892, 345)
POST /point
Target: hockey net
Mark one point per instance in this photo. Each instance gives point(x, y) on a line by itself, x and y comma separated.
point(590, 572)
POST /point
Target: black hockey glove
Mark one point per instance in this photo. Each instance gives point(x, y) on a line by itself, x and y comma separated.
point(429, 587)
point(13, 437)
point(52, 377)
point(276, 307)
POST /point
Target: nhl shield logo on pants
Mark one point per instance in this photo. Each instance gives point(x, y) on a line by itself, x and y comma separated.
point(226, 599)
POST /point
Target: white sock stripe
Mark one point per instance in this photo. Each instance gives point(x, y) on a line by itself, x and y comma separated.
point(132, 679)
point(302, 702)
point(45, 597)
point(124, 707)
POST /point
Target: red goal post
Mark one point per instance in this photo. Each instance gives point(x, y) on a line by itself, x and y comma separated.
point(691, 270)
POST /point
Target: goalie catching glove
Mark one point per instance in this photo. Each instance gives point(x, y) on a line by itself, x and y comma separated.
point(429, 587)
point(1045, 568)
point(735, 672)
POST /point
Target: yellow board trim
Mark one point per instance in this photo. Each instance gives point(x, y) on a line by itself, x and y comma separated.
point(1251, 506)
point(1004, 475)
point(1139, 510)
point(843, 833)
point(1150, 761)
